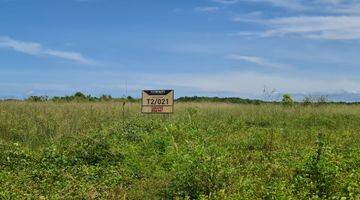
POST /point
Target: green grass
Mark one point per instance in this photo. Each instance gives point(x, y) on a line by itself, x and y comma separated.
point(203, 151)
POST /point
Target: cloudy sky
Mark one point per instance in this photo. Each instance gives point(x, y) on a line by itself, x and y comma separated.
point(197, 47)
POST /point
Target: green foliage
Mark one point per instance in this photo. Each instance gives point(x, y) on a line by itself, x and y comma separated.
point(321, 100)
point(79, 97)
point(199, 171)
point(308, 100)
point(95, 150)
point(318, 100)
point(219, 99)
point(90, 150)
point(105, 97)
point(287, 100)
point(316, 179)
point(37, 98)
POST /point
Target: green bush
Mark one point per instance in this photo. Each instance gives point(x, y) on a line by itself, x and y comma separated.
point(199, 171)
point(317, 178)
point(287, 100)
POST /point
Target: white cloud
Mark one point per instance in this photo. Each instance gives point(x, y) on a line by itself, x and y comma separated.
point(24, 47)
point(207, 9)
point(248, 17)
point(335, 20)
point(289, 4)
point(338, 6)
point(74, 56)
point(37, 49)
point(226, 1)
point(322, 6)
point(315, 27)
point(241, 82)
point(258, 61)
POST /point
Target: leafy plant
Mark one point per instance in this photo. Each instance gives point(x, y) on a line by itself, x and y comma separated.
point(316, 178)
point(287, 100)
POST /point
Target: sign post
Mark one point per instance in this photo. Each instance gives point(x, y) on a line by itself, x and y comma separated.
point(157, 101)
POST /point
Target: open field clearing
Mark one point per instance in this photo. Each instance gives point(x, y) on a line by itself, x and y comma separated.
point(202, 151)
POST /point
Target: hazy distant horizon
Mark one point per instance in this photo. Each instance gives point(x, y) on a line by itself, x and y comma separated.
point(340, 96)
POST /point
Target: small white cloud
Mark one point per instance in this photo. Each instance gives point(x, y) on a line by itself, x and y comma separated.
point(226, 1)
point(24, 47)
point(288, 4)
point(74, 56)
point(248, 17)
point(258, 61)
point(207, 9)
point(37, 49)
point(320, 6)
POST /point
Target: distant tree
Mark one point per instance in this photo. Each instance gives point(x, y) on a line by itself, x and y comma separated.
point(56, 99)
point(308, 100)
point(91, 98)
point(105, 97)
point(287, 100)
point(219, 99)
point(79, 95)
point(37, 98)
point(321, 100)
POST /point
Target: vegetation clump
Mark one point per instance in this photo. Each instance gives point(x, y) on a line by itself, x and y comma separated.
point(80, 97)
point(287, 100)
point(90, 150)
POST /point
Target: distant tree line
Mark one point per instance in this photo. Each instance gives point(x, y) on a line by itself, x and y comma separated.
point(80, 97)
point(220, 100)
point(286, 99)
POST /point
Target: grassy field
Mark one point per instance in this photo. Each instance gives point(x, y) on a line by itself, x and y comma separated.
point(203, 151)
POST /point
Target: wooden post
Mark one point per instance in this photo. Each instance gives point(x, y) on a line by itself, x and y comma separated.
point(123, 109)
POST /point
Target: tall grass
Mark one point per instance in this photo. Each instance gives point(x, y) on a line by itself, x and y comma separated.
point(202, 151)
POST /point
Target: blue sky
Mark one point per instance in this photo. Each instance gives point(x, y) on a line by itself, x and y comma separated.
point(197, 47)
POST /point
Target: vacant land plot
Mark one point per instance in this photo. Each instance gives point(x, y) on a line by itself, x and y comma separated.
point(208, 151)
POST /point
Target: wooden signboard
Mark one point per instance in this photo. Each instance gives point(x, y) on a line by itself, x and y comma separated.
point(157, 101)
